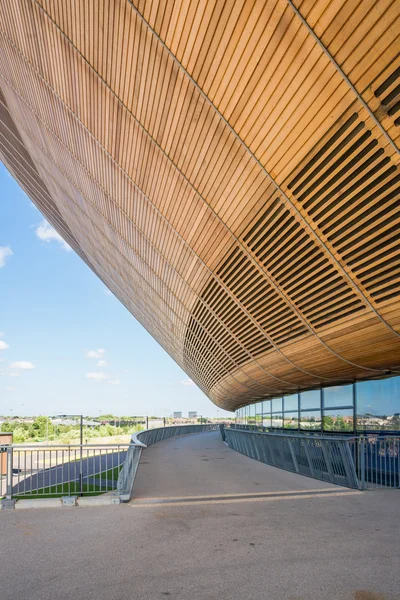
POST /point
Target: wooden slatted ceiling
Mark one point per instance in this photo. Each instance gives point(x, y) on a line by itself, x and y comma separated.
point(222, 175)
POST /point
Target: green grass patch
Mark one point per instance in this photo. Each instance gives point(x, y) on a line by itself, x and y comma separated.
point(72, 488)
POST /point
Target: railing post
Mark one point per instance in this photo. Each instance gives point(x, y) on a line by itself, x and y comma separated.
point(308, 457)
point(362, 464)
point(296, 466)
point(9, 472)
point(81, 474)
point(328, 463)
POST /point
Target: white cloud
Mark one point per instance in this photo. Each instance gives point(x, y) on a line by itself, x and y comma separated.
point(114, 382)
point(22, 365)
point(14, 374)
point(3, 345)
point(5, 252)
point(187, 382)
point(97, 376)
point(46, 233)
point(95, 353)
point(102, 363)
point(8, 388)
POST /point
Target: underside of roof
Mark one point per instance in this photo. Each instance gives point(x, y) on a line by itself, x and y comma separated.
point(230, 170)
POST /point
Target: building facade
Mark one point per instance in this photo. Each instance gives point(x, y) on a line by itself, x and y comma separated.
point(371, 405)
point(230, 170)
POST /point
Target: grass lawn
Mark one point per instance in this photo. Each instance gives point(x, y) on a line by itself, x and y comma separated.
point(72, 488)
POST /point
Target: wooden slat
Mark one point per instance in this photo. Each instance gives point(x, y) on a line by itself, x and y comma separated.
point(233, 179)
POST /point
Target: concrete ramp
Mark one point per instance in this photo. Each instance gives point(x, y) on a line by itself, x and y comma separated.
point(201, 467)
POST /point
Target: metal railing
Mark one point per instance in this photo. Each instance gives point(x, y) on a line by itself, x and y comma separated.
point(59, 470)
point(325, 458)
point(361, 462)
point(377, 461)
point(142, 440)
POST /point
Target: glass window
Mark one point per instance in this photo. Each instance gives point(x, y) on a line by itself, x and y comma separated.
point(259, 408)
point(258, 420)
point(378, 404)
point(267, 407)
point(266, 421)
point(291, 402)
point(338, 420)
point(310, 399)
point(251, 419)
point(291, 420)
point(277, 405)
point(339, 395)
point(310, 419)
point(276, 420)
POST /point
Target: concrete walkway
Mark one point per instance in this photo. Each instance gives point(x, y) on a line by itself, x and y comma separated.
point(246, 532)
point(202, 465)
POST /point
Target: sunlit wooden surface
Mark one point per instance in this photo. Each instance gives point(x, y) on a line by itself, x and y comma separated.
point(230, 170)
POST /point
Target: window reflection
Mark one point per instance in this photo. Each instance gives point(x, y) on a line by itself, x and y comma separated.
point(266, 421)
point(310, 419)
point(291, 402)
point(277, 405)
point(276, 420)
point(291, 420)
point(338, 395)
point(338, 420)
point(310, 399)
point(267, 408)
point(378, 404)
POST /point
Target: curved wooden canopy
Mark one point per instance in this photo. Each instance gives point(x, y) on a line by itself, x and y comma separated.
point(230, 170)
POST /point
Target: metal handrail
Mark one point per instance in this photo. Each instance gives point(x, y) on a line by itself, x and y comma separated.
point(59, 469)
point(361, 462)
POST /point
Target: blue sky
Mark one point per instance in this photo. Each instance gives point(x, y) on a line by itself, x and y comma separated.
point(59, 323)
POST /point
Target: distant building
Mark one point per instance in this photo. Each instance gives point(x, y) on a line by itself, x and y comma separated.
point(192, 414)
point(177, 415)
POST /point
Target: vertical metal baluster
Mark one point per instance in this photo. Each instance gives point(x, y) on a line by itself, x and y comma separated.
point(24, 470)
point(18, 471)
point(9, 485)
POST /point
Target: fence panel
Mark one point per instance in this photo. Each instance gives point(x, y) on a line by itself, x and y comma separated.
point(326, 458)
point(61, 470)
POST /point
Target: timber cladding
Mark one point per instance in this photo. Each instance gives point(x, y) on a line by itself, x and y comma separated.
point(230, 170)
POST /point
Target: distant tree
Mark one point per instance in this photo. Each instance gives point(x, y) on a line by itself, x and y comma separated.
point(40, 427)
point(328, 422)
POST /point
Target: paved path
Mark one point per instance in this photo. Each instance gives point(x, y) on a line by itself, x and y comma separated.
point(286, 543)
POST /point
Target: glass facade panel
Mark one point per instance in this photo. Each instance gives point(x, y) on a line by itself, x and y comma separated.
point(339, 395)
point(291, 402)
point(338, 420)
point(310, 419)
point(251, 419)
point(259, 408)
point(311, 399)
point(277, 405)
point(266, 421)
point(291, 420)
point(267, 408)
point(378, 404)
point(258, 420)
point(276, 420)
